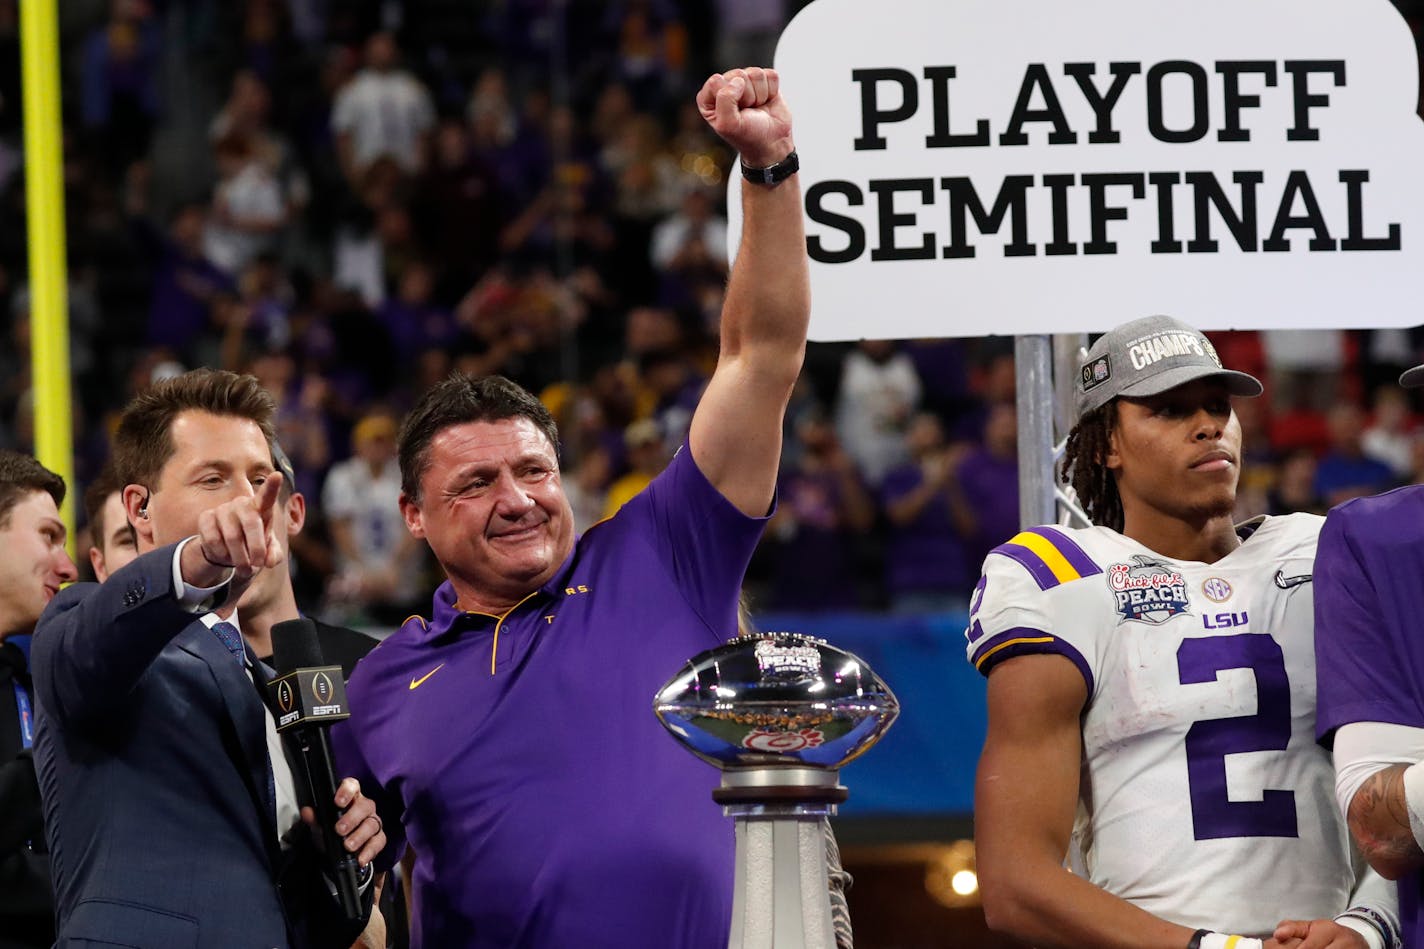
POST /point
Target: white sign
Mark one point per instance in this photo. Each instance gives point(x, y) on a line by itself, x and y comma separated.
point(985, 167)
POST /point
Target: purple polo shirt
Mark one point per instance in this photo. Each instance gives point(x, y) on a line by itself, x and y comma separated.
point(1369, 650)
point(520, 756)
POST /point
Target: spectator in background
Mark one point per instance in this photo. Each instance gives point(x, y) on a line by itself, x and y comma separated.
point(267, 42)
point(879, 392)
point(119, 99)
point(261, 319)
point(249, 209)
point(989, 483)
point(565, 223)
point(111, 537)
point(671, 385)
point(185, 283)
point(490, 110)
point(689, 248)
point(413, 319)
point(302, 421)
point(823, 511)
point(33, 565)
point(650, 48)
point(1389, 436)
point(1294, 490)
point(1305, 365)
point(16, 390)
point(1345, 471)
point(384, 111)
point(246, 115)
point(747, 30)
point(645, 177)
point(612, 110)
point(927, 567)
point(1259, 459)
point(378, 562)
point(587, 487)
point(992, 380)
point(458, 209)
point(647, 457)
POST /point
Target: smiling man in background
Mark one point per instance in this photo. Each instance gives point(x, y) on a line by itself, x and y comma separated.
point(33, 566)
point(111, 537)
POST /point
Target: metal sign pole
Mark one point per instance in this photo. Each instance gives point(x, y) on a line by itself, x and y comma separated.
point(1033, 364)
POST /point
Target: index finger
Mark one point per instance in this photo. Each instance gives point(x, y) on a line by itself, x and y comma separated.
point(707, 96)
point(266, 500)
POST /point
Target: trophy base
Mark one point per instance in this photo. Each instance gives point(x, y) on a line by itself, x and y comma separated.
point(782, 895)
point(776, 788)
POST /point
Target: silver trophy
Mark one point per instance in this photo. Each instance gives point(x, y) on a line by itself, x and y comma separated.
point(779, 713)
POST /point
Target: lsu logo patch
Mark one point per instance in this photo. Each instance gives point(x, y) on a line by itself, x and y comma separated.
point(1147, 590)
point(1096, 373)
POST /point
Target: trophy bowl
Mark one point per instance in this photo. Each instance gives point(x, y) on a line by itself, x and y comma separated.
point(778, 700)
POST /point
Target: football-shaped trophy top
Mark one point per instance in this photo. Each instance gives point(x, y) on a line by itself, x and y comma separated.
point(776, 699)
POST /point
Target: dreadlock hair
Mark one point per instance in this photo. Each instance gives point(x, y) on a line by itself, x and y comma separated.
point(1083, 468)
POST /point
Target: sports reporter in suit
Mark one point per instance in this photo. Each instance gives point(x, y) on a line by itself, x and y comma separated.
point(170, 807)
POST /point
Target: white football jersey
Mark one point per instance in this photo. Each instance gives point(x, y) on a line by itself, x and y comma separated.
point(1204, 797)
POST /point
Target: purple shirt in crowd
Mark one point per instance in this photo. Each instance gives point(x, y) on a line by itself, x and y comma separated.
point(520, 756)
point(1369, 653)
point(926, 555)
point(991, 488)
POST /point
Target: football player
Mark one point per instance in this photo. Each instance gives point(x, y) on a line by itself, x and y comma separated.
point(1151, 689)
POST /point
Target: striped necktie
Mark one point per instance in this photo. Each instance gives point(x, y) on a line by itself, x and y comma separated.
point(232, 639)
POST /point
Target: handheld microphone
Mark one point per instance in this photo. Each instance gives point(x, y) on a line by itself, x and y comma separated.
point(309, 696)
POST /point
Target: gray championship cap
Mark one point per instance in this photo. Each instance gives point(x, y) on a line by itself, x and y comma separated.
point(1148, 357)
point(1412, 378)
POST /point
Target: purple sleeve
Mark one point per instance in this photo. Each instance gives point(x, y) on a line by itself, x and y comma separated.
point(703, 538)
point(1360, 673)
point(1022, 641)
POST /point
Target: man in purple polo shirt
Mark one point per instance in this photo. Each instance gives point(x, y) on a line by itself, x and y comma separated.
point(509, 739)
point(1369, 600)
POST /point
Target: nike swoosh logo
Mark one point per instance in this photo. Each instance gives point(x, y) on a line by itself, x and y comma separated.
point(1285, 582)
point(416, 683)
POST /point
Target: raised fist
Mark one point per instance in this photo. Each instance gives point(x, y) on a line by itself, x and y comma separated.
point(745, 107)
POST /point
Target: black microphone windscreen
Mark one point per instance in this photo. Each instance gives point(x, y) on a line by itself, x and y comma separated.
point(295, 646)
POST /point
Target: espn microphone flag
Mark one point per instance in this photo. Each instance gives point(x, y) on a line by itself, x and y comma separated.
point(309, 697)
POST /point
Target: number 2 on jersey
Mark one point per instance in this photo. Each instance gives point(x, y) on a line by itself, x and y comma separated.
point(1209, 741)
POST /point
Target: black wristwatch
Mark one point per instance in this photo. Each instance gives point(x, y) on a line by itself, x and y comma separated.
point(772, 174)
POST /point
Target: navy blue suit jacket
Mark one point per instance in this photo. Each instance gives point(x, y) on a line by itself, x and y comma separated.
point(152, 760)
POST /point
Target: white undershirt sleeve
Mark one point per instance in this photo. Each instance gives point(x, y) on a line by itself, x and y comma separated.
point(1364, 748)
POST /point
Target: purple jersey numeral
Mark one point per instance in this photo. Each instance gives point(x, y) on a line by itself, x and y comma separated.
point(1210, 741)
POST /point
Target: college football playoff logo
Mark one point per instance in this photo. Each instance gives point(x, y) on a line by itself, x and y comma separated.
point(286, 700)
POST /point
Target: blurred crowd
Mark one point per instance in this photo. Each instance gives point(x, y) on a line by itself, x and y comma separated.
point(351, 199)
